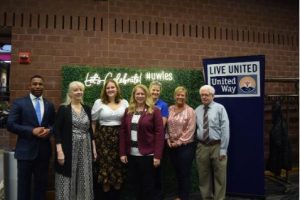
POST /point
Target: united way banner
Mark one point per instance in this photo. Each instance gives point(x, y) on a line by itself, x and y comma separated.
point(239, 85)
point(235, 79)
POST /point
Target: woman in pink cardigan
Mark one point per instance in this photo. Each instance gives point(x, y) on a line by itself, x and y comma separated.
point(181, 127)
point(142, 141)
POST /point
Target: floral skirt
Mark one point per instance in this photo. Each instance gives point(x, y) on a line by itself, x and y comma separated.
point(108, 167)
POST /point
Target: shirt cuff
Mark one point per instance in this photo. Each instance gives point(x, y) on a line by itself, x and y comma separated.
point(223, 152)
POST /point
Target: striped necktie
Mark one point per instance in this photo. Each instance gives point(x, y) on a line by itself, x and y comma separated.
point(205, 124)
point(38, 110)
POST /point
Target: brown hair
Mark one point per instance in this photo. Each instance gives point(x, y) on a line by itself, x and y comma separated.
point(103, 95)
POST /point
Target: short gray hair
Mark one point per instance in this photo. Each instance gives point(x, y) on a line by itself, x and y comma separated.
point(210, 88)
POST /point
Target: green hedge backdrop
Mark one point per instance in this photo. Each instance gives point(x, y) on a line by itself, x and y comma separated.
point(94, 78)
point(191, 79)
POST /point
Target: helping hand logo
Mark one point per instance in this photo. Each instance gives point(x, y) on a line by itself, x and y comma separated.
point(247, 85)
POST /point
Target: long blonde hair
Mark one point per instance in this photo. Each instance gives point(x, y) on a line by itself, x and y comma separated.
point(149, 102)
point(73, 85)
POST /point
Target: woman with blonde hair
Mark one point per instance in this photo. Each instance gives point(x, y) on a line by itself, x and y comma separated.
point(75, 147)
point(142, 141)
point(155, 89)
point(181, 127)
point(107, 113)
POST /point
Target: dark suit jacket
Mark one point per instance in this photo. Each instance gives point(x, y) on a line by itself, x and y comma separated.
point(150, 134)
point(63, 136)
point(21, 121)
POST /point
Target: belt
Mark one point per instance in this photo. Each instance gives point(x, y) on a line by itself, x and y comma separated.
point(210, 142)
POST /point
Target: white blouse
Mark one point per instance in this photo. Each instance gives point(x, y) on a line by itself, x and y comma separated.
point(106, 115)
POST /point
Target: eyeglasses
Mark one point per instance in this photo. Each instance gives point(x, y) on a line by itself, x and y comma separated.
point(205, 95)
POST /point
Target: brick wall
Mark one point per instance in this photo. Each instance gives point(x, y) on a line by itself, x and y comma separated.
point(152, 33)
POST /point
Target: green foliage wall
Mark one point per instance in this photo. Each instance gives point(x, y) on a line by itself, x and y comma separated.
point(191, 79)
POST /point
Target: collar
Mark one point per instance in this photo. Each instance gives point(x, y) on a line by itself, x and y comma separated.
point(209, 105)
point(32, 97)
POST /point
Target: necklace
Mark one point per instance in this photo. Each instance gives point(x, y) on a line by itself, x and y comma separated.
point(140, 108)
point(76, 107)
point(179, 109)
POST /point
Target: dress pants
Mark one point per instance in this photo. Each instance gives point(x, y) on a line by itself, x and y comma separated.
point(182, 158)
point(36, 170)
point(211, 172)
point(143, 172)
point(159, 176)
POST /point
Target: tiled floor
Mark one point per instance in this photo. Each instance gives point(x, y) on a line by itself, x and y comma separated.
point(276, 189)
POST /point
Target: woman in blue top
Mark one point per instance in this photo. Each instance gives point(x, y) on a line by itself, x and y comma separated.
point(155, 89)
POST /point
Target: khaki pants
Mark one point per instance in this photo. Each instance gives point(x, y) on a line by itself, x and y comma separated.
point(211, 171)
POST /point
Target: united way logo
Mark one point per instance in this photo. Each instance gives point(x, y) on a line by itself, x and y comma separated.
point(247, 84)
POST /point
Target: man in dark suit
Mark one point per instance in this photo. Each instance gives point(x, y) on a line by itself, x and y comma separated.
point(31, 118)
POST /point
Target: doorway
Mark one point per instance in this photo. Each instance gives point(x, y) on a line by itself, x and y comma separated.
point(5, 62)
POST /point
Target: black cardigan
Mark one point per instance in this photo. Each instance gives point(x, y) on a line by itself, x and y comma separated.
point(63, 136)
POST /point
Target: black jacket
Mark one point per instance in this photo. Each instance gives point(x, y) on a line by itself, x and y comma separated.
point(280, 155)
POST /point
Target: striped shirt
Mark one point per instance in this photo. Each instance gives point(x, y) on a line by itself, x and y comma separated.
point(134, 151)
